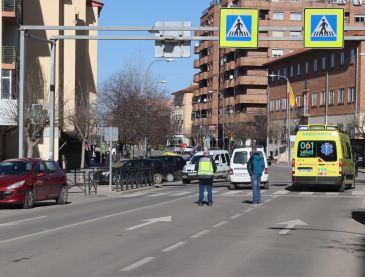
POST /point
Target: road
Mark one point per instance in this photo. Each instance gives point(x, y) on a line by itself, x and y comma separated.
point(163, 232)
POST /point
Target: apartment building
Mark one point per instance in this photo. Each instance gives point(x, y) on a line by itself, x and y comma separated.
point(181, 116)
point(234, 81)
point(313, 73)
point(76, 65)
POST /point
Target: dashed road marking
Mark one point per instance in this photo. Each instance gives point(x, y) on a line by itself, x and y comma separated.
point(219, 224)
point(182, 193)
point(138, 264)
point(306, 193)
point(157, 194)
point(248, 210)
point(174, 246)
point(281, 192)
point(201, 233)
point(232, 192)
point(235, 216)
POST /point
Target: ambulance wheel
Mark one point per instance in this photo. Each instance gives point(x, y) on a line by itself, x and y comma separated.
point(343, 185)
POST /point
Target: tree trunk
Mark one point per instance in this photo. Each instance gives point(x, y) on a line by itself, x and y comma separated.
point(83, 145)
point(29, 150)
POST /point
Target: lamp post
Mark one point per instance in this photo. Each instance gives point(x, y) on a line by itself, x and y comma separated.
point(287, 113)
point(144, 88)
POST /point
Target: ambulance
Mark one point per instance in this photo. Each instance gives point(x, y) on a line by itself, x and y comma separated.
point(322, 156)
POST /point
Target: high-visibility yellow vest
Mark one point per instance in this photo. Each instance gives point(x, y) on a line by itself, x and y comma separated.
point(205, 166)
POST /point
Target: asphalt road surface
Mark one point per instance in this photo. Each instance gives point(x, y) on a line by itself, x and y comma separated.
point(163, 232)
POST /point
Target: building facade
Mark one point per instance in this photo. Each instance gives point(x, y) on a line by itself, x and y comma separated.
point(76, 65)
point(235, 80)
point(327, 88)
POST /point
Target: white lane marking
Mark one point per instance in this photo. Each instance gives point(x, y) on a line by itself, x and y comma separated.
point(174, 246)
point(267, 200)
point(215, 191)
point(331, 193)
point(151, 221)
point(219, 224)
point(157, 194)
point(275, 196)
point(19, 221)
point(249, 193)
point(281, 192)
point(232, 192)
point(235, 216)
point(90, 220)
point(290, 225)
point(182, 193)
point(138, 264)
point(306, 193)
point(249, 209)
point(263, 190)
point(358, 193)
point(201, 233)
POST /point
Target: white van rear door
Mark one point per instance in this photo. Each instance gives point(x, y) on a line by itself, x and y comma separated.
point(239, 163)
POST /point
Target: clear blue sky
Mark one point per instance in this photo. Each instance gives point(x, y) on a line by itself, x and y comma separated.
point(112, 54)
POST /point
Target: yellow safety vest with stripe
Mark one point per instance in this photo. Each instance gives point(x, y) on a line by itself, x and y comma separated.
point(205, 167)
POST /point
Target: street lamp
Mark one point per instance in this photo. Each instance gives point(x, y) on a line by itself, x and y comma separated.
point(164, 86)
point(147, 75)
point(288, 111)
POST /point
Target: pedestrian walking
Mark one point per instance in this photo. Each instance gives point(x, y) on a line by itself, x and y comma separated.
point(206, 168)
point(255, 167)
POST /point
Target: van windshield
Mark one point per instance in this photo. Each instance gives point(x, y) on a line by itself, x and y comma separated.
point(196, 158)
point(240, 157)
point(324, 149)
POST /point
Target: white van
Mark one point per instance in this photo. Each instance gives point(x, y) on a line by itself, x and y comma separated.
point(238, 174)
point(221, 159)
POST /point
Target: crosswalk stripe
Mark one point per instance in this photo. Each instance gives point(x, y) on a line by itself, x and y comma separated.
point(306, 193)
point(157, 194)
point(249, 193)
point(182, 193)
point(331, 193)
point(232, 192)
point(281, 192)
point(358, 193)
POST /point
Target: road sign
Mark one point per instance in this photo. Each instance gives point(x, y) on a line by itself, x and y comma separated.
point(109, 133)
point(323, 28)
point(171, 48)
point(238, 28)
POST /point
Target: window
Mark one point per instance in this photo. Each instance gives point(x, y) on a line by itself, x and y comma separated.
point(295, 33)
point(277, 52)
point(314, 99)
point(326, 150)
point(284, 104)
point(223, 158)
point(295, 16)
point(278, 16)
point(315, 65)
point(6, 88)
point(306, 67)
point(352, 55)
point(51, 167)
point(350, 130)
point(240, 157)
point(332, 60)
point(351, 95)
point(285, 71)
point(277, 33)
point(359, 18)
point(331, 100)
point(272, 76)
point(342, 58)
point(341, 93)
point(299, 69)
point(272, 105)
point(291, 70)
point(278, 74)
point(298, 100)
point(323, 63)
point(322, 98)
point(277, 104)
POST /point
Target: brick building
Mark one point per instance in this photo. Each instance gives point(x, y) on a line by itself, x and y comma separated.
point(234, 81)
point(311, 73)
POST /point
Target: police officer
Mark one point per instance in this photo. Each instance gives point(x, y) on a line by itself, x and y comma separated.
point(206, 168)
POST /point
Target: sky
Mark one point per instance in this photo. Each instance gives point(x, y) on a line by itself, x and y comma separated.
point(113, 54)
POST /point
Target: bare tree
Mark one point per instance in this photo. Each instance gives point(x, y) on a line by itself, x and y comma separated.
point(84, 119)
point(358, 123)
point(276, 128)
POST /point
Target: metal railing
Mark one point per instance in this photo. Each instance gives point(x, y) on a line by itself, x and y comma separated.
point(9, 5)
point(9, 54)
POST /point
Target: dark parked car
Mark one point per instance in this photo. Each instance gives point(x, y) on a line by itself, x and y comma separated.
point(160, 168)
point(173, 166)
point(24, 181)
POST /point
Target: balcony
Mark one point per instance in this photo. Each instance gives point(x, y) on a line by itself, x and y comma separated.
point(8, 57)
point(196, 78)
point(251, 80)
point(196, 64)
point(251, 98)
point(252, 61)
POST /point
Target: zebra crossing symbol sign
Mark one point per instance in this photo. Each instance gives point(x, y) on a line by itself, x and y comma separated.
point(238, 28)
point(323, 28)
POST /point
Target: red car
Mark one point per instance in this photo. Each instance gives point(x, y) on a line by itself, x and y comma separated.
point(24, 181)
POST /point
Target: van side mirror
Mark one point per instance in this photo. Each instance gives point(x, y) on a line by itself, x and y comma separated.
point(216, 161)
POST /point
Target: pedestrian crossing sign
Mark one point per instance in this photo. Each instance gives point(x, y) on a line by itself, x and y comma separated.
point(323, 28)
point(238, 28)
